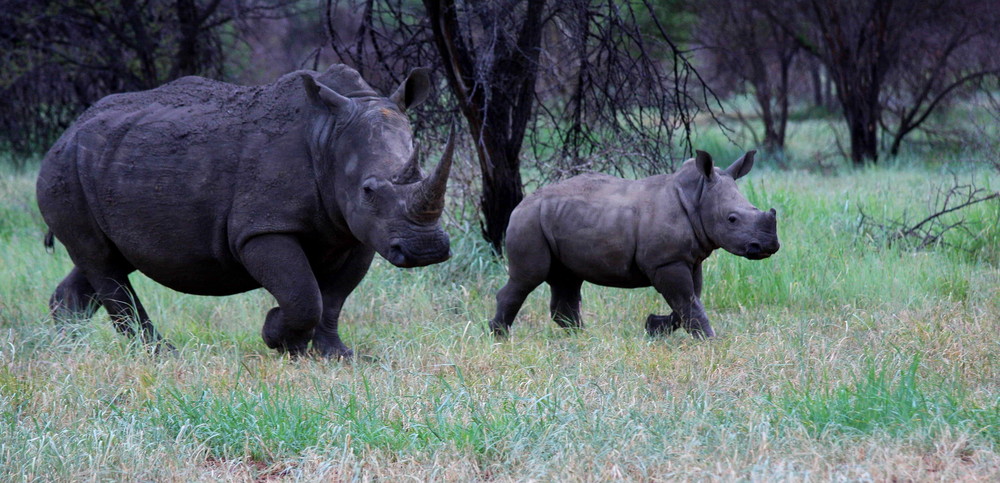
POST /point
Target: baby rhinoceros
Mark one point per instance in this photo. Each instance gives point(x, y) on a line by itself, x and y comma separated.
point(622, 233)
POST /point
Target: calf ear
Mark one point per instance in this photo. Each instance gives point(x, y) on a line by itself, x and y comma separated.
point(413, 90)
point(322, 95)
point(703, 161)
point(741, 166)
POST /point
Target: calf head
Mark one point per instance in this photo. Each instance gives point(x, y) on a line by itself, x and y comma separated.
point(729, 220)
point(376, 179)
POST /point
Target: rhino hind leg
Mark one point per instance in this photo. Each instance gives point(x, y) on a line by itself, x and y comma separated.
point(74, 299)
point(528, 261)
point(565, 303)
point(113, 289)
point(510, 298)
point(101, 275)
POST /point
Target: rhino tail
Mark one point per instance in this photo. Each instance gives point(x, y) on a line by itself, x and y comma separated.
point(50, 242)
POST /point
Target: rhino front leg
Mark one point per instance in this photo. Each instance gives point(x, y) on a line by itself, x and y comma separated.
point(335, 287)
point(278, 263)
point(676, 283)
point(661, 325)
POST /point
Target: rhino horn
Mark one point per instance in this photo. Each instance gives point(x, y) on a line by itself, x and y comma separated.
point(410, 172)
point(428, 199)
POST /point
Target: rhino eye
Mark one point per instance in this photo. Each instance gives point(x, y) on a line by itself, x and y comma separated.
point(732, 218)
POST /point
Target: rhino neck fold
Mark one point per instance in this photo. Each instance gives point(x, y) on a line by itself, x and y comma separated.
point(693, 212)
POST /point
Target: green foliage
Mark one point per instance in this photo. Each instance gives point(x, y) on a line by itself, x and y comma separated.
point(883, 397)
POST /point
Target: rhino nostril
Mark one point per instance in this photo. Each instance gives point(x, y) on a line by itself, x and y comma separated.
point(753, 248)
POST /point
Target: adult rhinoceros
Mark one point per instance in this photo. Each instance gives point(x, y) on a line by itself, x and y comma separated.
point(621, 233)
point(215, 189)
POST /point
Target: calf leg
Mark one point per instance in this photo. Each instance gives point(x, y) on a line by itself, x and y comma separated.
point(676, 283)
point(74, 298)
point(660, 325)
point(510, 298)
point(278, 263)
point(565, 303)
point(528, 265)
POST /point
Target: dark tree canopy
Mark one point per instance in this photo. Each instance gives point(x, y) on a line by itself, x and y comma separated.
point(589, 85)
point(59, 57)
point(898, 56)
point(757, 54)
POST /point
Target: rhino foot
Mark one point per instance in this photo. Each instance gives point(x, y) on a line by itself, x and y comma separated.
point(661, 325)
point(277, 336)
point(500, 330)
point(161, 348)
point(339, 353)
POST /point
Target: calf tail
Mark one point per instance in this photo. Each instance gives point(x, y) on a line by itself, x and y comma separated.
point(50, 242)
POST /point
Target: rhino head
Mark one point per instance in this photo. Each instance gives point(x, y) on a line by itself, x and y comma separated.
point(728, 219)
point(377, 183)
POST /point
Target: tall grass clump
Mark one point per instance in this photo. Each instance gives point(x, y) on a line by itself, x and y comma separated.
point(883, 397)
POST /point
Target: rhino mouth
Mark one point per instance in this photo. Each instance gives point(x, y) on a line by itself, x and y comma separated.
point(404, 256)
point(754, 251)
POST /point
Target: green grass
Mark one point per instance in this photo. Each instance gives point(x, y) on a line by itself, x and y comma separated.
point(838, 358)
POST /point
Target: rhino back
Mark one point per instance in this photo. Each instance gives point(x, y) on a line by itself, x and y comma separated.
point(177, 176)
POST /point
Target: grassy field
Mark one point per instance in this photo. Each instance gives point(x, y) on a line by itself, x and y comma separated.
point(838, 358)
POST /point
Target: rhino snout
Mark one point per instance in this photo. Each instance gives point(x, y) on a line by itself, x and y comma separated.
point(756, 251)
point(407, 254)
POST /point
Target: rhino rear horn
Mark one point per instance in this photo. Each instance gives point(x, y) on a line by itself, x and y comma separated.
point(741, 166)
point(410, 172)
point(428, 199)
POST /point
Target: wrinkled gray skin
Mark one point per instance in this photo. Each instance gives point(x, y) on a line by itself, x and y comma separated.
point(215, 189)
point(622, 233)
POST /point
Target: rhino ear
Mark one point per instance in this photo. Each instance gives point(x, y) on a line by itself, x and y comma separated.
point(703, 161)
point(322, 95)
point(741, 166)
point(414, 90)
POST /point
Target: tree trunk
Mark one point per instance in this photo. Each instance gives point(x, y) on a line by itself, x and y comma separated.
point(186, 61)
point(817, 84)
point(862, 123)
point(496, 103)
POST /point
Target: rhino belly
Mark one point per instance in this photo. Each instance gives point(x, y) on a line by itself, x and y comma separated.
point(199, 277)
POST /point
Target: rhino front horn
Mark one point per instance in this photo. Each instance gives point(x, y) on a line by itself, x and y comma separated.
point(428, 199)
